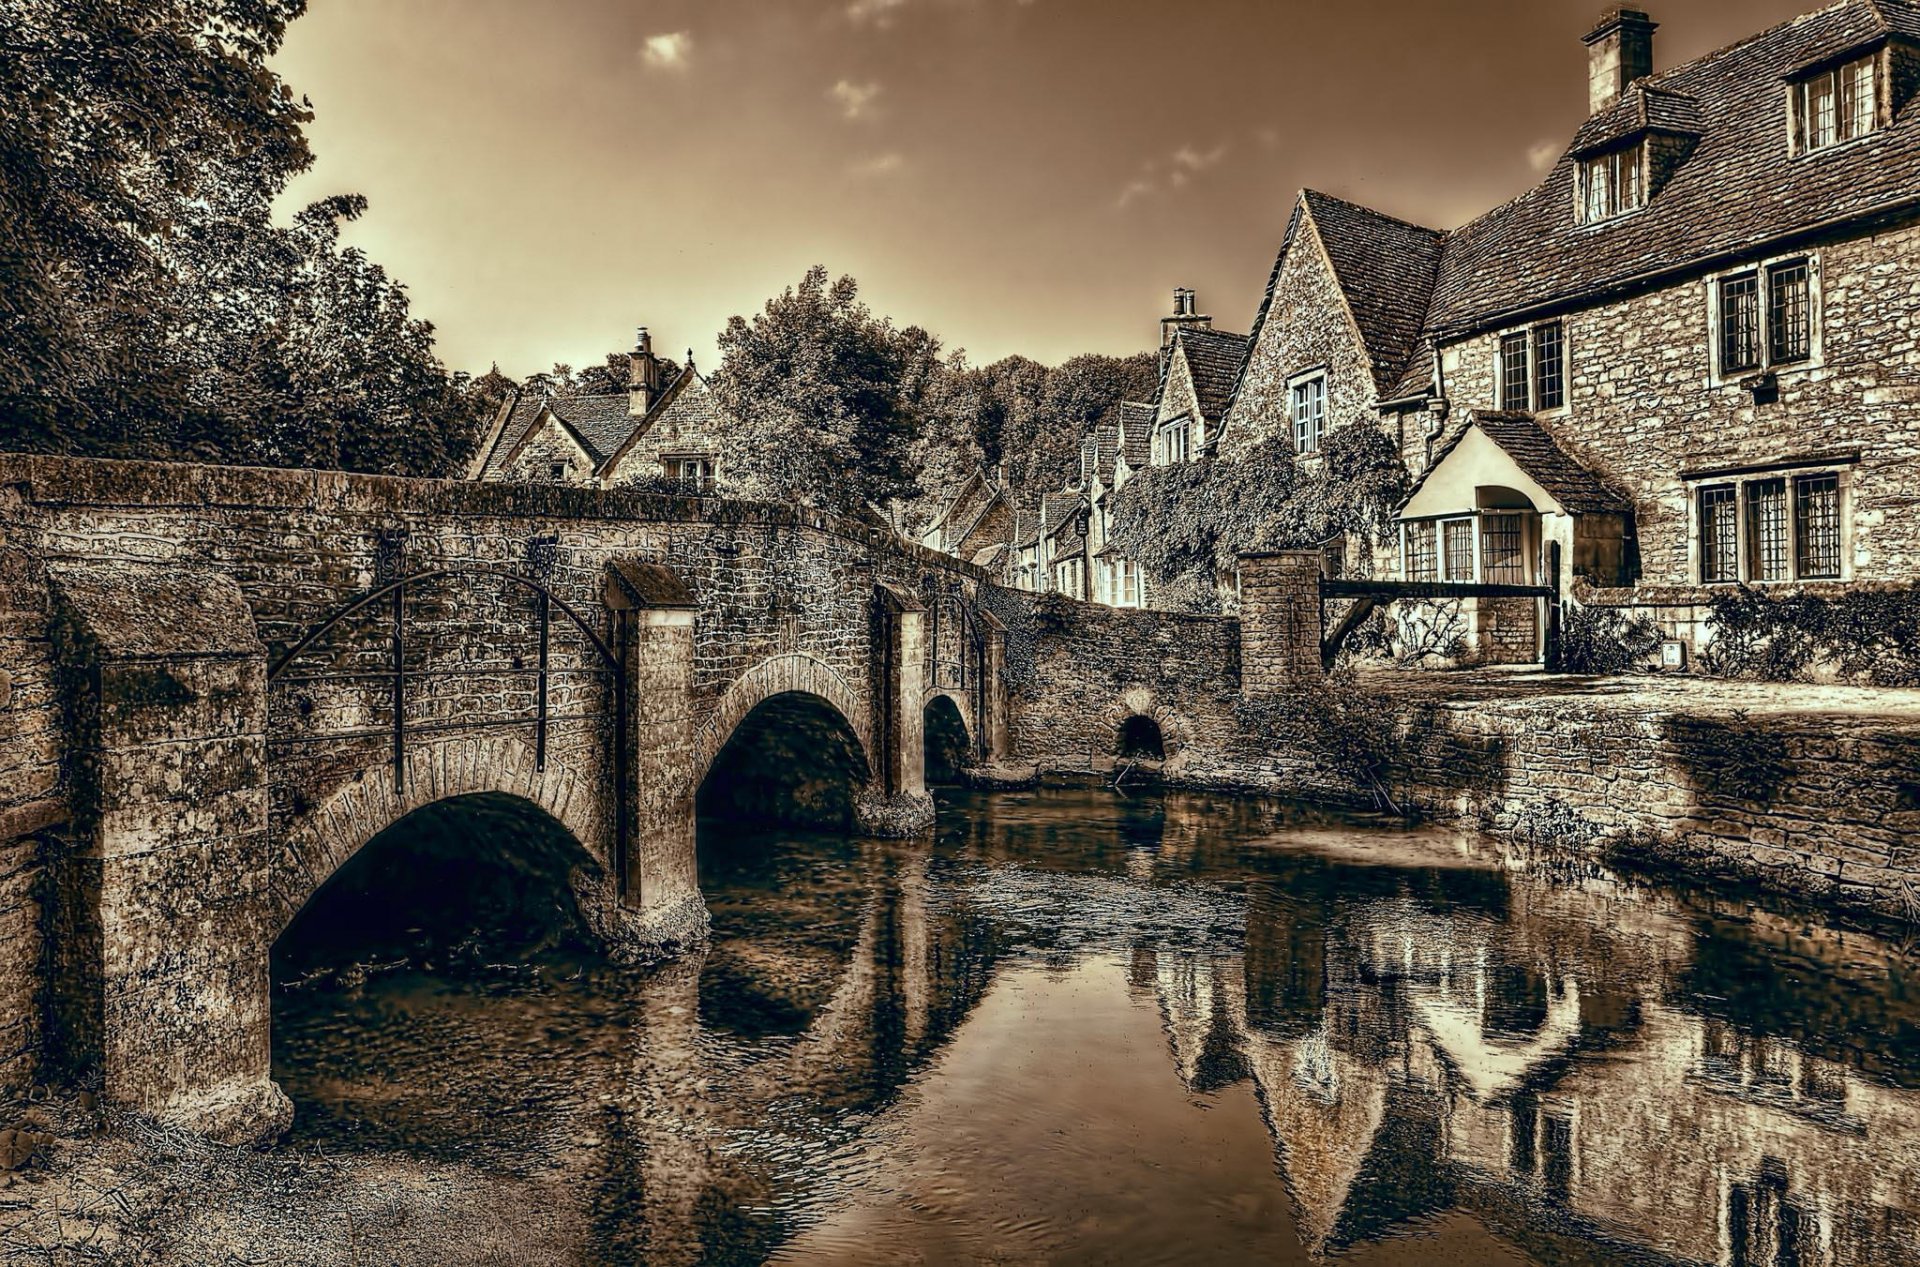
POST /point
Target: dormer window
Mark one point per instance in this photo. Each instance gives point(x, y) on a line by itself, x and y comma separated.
point(1613, 184)
point(1836, 105)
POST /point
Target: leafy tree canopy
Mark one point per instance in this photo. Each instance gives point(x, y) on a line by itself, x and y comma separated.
point(149, 305)
point(828, 399)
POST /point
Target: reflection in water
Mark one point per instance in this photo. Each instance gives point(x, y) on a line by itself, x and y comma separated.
point(1079, 1027)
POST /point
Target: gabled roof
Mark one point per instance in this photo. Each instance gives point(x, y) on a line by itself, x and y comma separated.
point(1643, 108)
point(1136, 433)
point(539, 409)
point(686, 398)
point(520, 415)
point(1385, 268)
point(1735, 191)
point(1213, 362)
point(1577, 489)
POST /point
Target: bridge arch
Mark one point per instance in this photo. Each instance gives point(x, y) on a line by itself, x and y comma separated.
point(1137, 717)
point(792, 674)
point(951, 742)
point(315, 846)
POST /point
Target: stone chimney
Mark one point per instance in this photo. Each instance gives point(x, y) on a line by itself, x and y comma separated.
point(1619, 51)
point(643, 375)
point(1184, 315)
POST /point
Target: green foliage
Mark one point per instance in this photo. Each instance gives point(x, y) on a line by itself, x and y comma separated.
point(149, 306)
point(1871, 636)
point(1600, 640)
point(1186, 523)
point(828, 398)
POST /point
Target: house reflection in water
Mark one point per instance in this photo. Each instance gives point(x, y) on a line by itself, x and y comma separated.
point(1533, 1053)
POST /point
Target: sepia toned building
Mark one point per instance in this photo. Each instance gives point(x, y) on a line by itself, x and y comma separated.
point(652, 434)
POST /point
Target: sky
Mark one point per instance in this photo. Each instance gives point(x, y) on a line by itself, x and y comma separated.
point(1017, 176)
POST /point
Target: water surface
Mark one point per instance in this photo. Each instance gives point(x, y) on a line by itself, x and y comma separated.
point(1084, 1028)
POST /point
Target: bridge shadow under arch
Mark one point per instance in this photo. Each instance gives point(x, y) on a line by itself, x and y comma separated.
point(794, 759)
point(949, 746)
point(489, 871)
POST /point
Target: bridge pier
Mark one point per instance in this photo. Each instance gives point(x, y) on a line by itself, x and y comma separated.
point(163, 929)
point(896, 802)
point(655, 613)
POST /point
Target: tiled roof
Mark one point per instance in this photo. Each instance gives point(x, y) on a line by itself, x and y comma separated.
point(1213, 359)
point(1577, 488)
point(1738, 188)
point(1644, 108)
point(1136, 433)
point(1061, 505)
point(1385, 268)
point(526, 407)
point(602, 421)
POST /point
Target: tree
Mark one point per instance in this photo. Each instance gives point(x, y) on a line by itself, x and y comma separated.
point(149, 305)
point(828, 399)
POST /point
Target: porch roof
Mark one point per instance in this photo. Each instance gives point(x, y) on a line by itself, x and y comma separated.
point(1510, 450)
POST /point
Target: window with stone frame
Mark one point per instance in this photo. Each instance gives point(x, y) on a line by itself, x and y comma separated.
point(1176, 441)
point(1789, 313)
point(1765, 316)
point(1767, 531)
point(1836, 105)
point(1308, 408)
point(1719, 534)
point(1513, 370)
point(1418, 541)
point(1533, 367)
point(1816, 523)
point(1771, 528)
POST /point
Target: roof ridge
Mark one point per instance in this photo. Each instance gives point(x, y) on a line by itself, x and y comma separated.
point(1757, 36)
point(1372, 211)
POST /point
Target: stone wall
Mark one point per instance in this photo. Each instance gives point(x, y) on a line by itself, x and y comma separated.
point(31, 803)
point(1643, 403)
point(1076, 672)
point(1811, 801)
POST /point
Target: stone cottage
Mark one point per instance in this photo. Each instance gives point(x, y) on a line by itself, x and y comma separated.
point(653, 434)
point(1686, 360)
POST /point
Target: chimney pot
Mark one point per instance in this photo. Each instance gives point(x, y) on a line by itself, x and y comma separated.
point(643, 374)
point(1619, 51)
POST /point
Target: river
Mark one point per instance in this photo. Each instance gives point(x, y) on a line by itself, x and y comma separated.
point(1082, 1027)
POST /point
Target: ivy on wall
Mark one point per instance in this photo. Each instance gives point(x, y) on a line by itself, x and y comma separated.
point(1186, 523)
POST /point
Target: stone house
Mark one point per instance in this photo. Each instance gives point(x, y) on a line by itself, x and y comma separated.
point(977, 523)
point(650, 433)
point(1197, 369)
point(1685, 361)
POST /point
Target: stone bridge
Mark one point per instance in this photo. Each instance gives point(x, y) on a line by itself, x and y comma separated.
point(218, 684)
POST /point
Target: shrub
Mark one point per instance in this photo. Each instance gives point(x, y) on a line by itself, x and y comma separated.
point(1867, 636)
point(1600, 640)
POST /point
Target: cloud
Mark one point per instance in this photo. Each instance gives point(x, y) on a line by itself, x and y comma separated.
point(879, 165)
point(878, 12)
point(1542, 155)
point(855, 100)
point(1176, 171)
point(1190, 159)
point(668, 51)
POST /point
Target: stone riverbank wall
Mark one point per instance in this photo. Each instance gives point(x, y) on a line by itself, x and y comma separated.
point(1809, 791)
